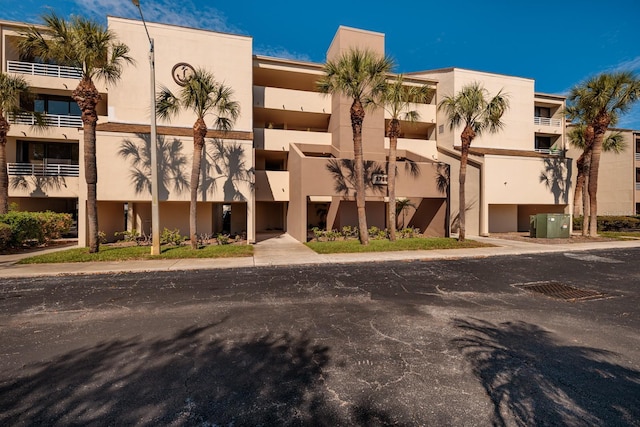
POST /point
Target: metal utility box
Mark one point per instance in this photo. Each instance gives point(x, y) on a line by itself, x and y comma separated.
point(550, 226)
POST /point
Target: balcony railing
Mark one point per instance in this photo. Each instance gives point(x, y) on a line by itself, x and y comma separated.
point(550, 151)
point(44, 70)
point(43, 169)
point(638, 156)
point(546, 121)
point(54, 120)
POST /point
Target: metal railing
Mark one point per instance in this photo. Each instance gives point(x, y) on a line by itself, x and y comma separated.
point(54, 120)
point(546, 121)
point(44, 70)
point(550, 151)
point(43, 169)
point(638, 156)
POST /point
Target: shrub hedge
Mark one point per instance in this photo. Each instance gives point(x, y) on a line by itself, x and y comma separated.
point(612, 223)
point(32, 227)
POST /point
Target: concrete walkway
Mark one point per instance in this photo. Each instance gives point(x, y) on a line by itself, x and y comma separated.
point(285, 250)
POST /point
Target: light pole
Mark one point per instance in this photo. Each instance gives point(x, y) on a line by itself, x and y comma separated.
point(155, 212)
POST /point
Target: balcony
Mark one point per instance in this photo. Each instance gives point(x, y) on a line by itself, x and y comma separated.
point(53, 120)
point(427, 112)
point(43, 169)
point(279, 139)
point(546, 121)
point(47, 70)
point(291, 100)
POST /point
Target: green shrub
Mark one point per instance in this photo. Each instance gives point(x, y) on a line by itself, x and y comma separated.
point(53, 225)
point(35, 227)
point(317, 233)
point(171, 237)
point(128, 235)
point(377, 233)
point(332, 235)
point(409, 232)
point(223, 239)
point(5, 236)
point(611, 223)
point(25, 227)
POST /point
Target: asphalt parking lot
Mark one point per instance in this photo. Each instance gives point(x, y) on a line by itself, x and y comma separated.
point(449, 342)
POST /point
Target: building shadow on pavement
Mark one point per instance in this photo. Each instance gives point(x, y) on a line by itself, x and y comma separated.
point(532, 379)
point(190, 378)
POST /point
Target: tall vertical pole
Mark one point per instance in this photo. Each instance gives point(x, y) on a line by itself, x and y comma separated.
point(155, 211)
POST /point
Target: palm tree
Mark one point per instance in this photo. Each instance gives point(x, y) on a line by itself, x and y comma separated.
point(472, 109)
point(359, 75)
point(92, 48)
point(614, 142)
point(202, 95)
point(397, 99)
point(597, 104)
point(11, 87)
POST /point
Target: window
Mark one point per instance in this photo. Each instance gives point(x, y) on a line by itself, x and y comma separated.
point(53, 152)
point(542, 112)
point(638, 145)
point(59, 105)
point(637, 174)
point(543, 143)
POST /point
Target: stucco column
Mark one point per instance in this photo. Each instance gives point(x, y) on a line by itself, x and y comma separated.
point(484, 206)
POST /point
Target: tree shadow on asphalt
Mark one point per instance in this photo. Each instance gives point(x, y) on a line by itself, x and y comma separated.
point(534, 380)
point(191, 378)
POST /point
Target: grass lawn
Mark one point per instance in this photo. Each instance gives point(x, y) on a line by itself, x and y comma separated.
point(123, 253)
point(623, 235)
point(412, 244)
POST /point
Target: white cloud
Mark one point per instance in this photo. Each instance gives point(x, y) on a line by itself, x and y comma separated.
point(281, 52)
point(184, 13)
point(631, 120)
point(628, 65)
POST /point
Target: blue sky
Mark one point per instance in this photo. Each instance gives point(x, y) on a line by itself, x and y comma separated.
point(557, 43)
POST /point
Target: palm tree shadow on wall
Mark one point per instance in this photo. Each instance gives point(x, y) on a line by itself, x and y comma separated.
point(225, 162)
point(533, 380)
point(188, 378)
point(38, 186)
point(171, 162)
point(442, 179)
point(455, 222)
point(556, 177)
point(343, 173)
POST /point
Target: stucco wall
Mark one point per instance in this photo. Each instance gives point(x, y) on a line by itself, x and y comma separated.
point(227, 56)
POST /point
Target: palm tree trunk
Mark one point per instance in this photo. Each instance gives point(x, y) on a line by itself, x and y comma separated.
point(585, 206)
point(394, 132)
point(4, 176)
point(87, 97)
point(466, 137)
point(357, 117)
point(580, 179)
point(199, 133)
point(594, 168)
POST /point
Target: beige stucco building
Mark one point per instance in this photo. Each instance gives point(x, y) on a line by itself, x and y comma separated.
point(285, 165)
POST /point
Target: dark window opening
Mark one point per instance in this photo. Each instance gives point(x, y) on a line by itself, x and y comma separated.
point(50, 104)
point(54, 152)
point(543, 143)
point(542, 112)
